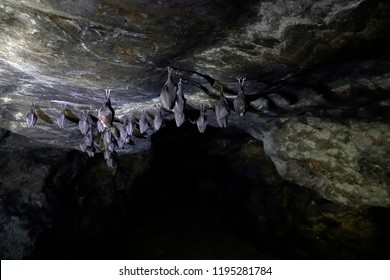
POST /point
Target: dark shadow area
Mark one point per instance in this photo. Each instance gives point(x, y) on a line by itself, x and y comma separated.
point(199, 196)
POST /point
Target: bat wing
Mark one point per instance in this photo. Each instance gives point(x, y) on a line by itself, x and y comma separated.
point(201, 123)
point(157, 122)
point(143, 123)
point(167, 98)
point(179, 119)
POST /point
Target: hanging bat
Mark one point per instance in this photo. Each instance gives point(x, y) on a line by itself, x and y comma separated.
point(168, 92)
point(130, 127)
point(83, 146)
point(106, 113)
point(88, 138)
point(180, 101)
point(61, 119)
point(143, 123)
point(178, 110)
point(222, 111)
point(107, 103)
point(179, 90)
point(31, 118)
point(105, 117)
point(157, 121)
point(239, 101)
point(107, 139)
point(84, 124)
point(201, 122)
point(121, 143)
point(123, 130)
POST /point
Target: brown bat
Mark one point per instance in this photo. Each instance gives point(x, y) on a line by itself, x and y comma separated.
point(123, 131)
point(222, 110)
point(178, 111)
point(61, 119)
point(157, 121)
point(106, 113)
point(239, 101)
point(143, 123)
point(168, 92)
point(201, 122)
point(130, 127)
point(31, 118)
point(84, 124)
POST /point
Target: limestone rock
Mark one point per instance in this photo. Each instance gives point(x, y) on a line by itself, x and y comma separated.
point(346, 163)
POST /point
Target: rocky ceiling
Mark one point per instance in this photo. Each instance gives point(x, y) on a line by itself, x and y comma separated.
point(317, 77)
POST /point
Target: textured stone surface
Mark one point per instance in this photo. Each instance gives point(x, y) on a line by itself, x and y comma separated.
point(63, 52)
point(345, 163)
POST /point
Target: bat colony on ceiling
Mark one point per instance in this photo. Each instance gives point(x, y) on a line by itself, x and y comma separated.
point(101, 135)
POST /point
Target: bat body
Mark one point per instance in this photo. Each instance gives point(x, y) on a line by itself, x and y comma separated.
point(130, 127)
point(143, 123)
point(239, 101)
point(105, 117)
point(84, 124)
point(222, 111)
point(31, 118)
point(180, 101)
point(83, 146)
point(157, 122)
point(123, 132)
point(61, 119)
point(201, 121)
point(178, 111)
point(106, 113)
point(168, 92)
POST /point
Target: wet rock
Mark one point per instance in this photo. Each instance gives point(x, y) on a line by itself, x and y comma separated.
point(345, 163)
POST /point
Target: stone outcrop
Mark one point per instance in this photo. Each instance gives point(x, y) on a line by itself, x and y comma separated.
point(347, 163)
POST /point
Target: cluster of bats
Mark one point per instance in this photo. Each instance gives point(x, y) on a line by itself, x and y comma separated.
point(101, 135)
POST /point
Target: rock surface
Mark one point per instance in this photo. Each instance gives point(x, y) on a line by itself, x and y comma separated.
point(345, 163)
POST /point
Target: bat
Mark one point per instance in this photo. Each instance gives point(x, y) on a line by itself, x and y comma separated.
point(107, 139)
point(83, 146)
point(239, 101)
point(84, 124)
point(107, 103)
point(88, 138)
point(143, 123)
point(179, 90)
point(201, 122)
point(130, 127)
point(180, 100)
point(222, 111)
point(106, 113)
point(157, 121)
point(61, 119)
point(178, 110)
point(31, 118)
point(123, 131)
point(168, 92)
point(105, 117)
point(121, 143)
point(179, 119)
